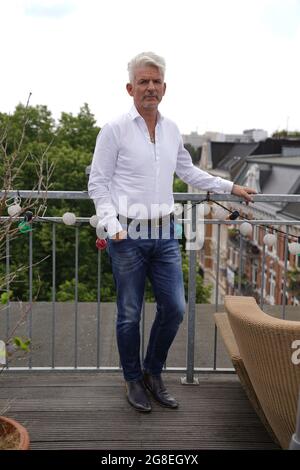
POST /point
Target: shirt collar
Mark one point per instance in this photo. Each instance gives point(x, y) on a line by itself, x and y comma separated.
point(133, 113)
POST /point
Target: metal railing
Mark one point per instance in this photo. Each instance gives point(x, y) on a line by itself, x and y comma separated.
point(190, 369)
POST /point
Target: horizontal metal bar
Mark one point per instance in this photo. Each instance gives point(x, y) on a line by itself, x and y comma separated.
point(85, 220)
point(204, 370)
point(27, 194)
point(252, 222)
point(177, 196)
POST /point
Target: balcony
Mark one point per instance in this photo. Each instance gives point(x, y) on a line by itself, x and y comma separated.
point(70, 392)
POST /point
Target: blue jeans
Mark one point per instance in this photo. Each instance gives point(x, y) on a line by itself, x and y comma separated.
point(132, 261)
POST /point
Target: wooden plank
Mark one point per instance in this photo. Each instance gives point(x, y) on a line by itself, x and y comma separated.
point(149, 445)
point(90, 411)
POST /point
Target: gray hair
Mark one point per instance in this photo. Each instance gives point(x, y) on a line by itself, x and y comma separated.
point(146, 58)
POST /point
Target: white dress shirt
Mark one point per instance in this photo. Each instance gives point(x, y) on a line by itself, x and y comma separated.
point(133, 177)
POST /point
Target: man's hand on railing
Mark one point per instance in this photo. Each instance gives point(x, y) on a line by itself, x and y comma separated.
point(243, 191)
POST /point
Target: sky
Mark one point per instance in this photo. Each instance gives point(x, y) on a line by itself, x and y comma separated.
point(231, 64)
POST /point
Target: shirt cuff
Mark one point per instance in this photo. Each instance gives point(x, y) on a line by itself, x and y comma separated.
point(113, 226)
point(227, 186)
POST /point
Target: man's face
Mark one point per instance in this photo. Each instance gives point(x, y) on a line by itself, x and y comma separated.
point(148, 88)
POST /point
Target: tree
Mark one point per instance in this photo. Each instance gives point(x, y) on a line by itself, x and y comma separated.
point(14, 158)
point(285, 134)
point(79, 132)
point(203, 292)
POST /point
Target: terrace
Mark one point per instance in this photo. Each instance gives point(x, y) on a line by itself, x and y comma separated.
point(69, 391)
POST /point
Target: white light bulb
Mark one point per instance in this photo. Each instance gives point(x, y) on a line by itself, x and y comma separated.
point(269, 239)
point(246, 229)
point(14, 209)
point(178, 209)
point(69, 218)
point(294, 248)
point(94, 221)
point(219, 213)
point(206, 209)
point(2, 352)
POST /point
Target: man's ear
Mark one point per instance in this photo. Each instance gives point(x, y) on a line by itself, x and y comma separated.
point(165, 87)
point(129, 89)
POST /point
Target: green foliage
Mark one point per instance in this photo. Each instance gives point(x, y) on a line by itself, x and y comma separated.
point(179, 186)
point(20, 344)
point(285, 134)
point(5, 296)
point(203, 292)
point(294, 281)
point(79, 132)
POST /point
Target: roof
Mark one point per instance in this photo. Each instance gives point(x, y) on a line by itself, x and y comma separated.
point(277, 160)
point(274, 146)
point(279, 168)
point(237, 152)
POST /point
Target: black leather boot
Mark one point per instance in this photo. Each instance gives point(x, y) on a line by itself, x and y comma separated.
point(155, 384)
point(137, 395)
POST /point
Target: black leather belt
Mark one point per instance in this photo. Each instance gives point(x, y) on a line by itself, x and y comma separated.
point(156, 222)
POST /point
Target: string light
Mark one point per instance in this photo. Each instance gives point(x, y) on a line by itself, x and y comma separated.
point(69, 218)
point(94, 221)
point(269, 239)
point(218, 213)
point(101, 244)
point(206, 209)
point(235, 214)
point(14, 210)
point(246, 229)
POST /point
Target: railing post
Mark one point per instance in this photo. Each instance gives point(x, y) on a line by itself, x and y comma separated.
point(98, 353)
point(30, 301)
point(262, 287)
point(190, 379)
point(240, 264)
point(217, 294)
point(53, 293)
point(286, 254)
point(7, 255)
point(76, 299)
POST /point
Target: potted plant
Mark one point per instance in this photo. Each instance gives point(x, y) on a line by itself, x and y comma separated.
point(13, 436)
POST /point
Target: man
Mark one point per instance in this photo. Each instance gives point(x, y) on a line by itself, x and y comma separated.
point(131, 176)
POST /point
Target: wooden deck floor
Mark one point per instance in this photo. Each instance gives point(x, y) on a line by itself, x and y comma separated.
point(88, 410)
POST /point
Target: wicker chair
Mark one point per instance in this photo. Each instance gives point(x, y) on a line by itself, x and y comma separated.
point(224, 328)
point(295, 441)
point(266, 347)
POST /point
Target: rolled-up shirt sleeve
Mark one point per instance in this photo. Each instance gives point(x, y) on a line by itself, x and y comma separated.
point(196, 177)
point(102, 170)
